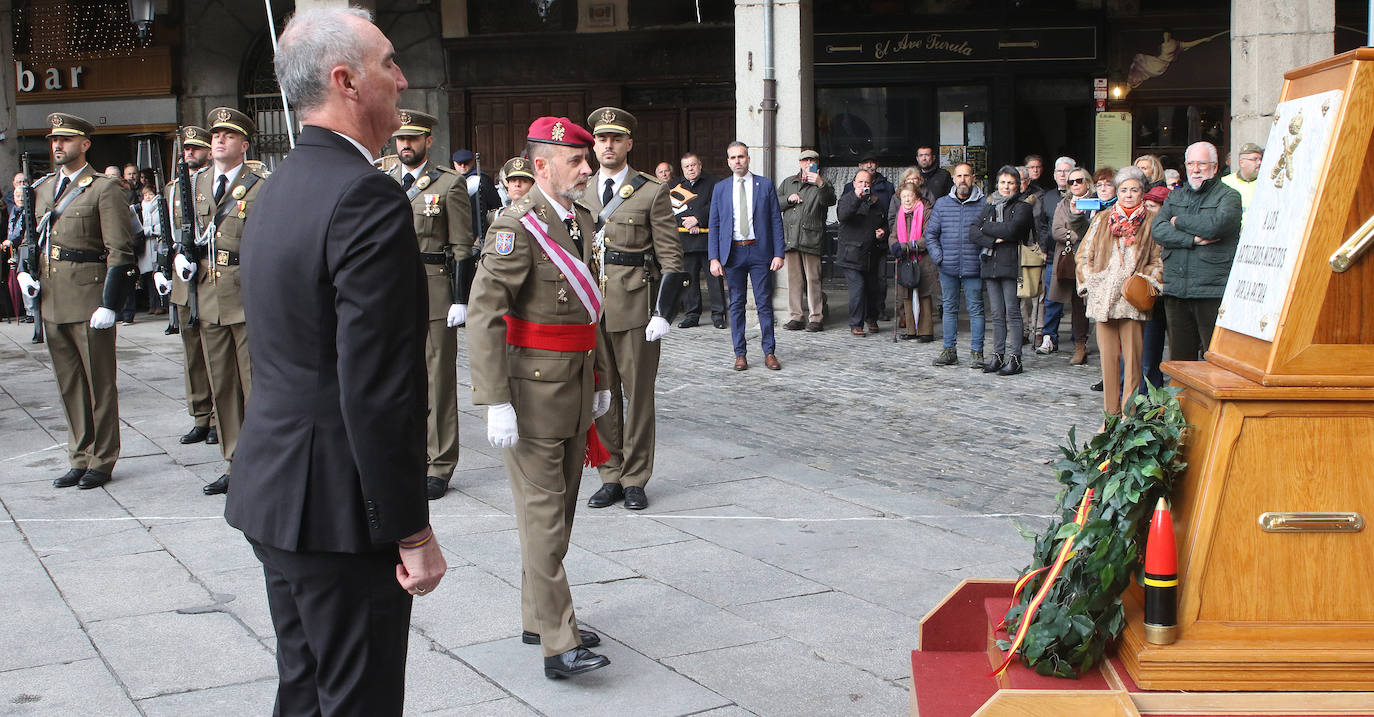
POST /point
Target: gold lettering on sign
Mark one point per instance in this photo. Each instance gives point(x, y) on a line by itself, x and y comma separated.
point(930, 41)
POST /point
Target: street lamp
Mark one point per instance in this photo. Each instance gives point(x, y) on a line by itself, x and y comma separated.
point(141, 13)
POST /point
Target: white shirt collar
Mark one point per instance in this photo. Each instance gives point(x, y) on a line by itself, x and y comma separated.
point(366, 154)
point(747, 175)
point(417, 172)
point(79, 170)
point(563, 212)
point(618, 177)
point(232, 175)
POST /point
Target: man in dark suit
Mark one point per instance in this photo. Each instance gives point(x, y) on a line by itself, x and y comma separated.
point(691, 198)
point(329, 486)
point(746, 243)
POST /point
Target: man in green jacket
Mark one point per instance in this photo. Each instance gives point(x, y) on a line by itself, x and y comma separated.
point(805, 198)
point(1198, 228)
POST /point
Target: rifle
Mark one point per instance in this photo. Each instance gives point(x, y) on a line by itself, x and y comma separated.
point(28, 247)
point(164, 241)
point(462, 270)
point(186, 242)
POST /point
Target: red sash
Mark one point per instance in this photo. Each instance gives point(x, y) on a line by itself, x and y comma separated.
point(560, 337)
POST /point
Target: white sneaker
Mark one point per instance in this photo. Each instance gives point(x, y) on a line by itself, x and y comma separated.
point(1046, 347)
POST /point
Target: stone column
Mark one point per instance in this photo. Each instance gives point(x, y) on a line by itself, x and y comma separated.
point(1269, 38)
point(794, 72)
point(9, 120)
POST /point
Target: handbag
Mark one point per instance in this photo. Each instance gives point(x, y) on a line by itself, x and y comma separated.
point(1031, 255)
point(1065, 268)
point(908, 274)
point(1138, 292)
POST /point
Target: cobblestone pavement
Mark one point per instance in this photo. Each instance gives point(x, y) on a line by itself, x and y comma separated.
point(801, 522)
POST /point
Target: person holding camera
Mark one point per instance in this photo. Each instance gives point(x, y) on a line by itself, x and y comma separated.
point(863, 221)
point(1003, 226)
point(1069, 225)
point(805, 198)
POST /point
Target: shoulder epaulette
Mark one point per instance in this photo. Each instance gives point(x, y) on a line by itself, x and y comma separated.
point(650, 178)
point(578, 204)
point(43, 179)
point(518, 209)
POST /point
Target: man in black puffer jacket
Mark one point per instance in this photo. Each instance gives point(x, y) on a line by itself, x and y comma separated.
point(863, 226)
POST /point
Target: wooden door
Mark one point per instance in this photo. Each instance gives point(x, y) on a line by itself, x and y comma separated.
point(656, 140)
point(708, 131)
point(499, 121)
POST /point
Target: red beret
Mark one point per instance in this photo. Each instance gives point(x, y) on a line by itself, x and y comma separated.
point(559, 130)
point(1158, 194)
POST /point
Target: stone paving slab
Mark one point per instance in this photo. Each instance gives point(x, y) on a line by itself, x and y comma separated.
point(158, 654)
point(660, 621)
point(82, 687)
point(38, 628)
point(227, 700)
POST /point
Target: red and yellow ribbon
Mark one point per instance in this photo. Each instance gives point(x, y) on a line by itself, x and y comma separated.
point(1065, 552)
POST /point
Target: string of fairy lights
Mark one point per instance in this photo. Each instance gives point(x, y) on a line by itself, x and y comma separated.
point(74, 29)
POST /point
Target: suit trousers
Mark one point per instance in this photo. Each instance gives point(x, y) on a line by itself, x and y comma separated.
point(804, 274)
point(696, 264)
point(627, 429)
point(745, 264)
point(545, 474)
point(1119, 342)
point(441, 434)
point(83, 359)
point(1190, 326)
point(862, 289)
point(226, 362)
point(199, 403)
point(342, 624)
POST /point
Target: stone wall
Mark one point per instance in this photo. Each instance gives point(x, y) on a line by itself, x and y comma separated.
point(1269, 38)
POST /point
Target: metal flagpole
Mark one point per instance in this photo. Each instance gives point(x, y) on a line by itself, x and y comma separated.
point(285, 107)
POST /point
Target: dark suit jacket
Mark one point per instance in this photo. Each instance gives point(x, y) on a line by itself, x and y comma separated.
point(767, 219)
point(332, 453)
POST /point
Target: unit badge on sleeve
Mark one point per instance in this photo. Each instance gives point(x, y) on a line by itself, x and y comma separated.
point(505, 242)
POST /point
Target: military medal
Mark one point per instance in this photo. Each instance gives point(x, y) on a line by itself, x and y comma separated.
point(238, 193)
point(422, 182)
point(85, 181)
point(242, 205)
point(432, 208)
point(626, 191)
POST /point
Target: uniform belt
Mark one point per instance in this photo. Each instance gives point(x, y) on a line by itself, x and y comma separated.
point(703, 230)
point(744, 242)
point(550, 337)
point(78, 255)
point(624, 258)
point(433, 257)
point(224, 257)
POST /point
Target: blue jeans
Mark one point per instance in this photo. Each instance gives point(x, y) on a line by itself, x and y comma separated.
point(750, 263)
point(972, 288)
point(1054, 311)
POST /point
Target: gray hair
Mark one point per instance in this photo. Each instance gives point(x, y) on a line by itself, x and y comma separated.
point(1066, 160)
point(313, 43)
point(1126, 174)
point(1210, 148)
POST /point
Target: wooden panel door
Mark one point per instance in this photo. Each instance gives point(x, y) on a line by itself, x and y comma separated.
point(499, 121)
point(656, 140)
point(709, 130)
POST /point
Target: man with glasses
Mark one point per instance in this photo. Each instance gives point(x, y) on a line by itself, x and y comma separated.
point(1247, 172)
point(1044, 217)
point(1198, 226)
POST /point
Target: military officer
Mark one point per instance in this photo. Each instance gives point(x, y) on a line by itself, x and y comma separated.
point(85, 271)
point(224, 194)
point(517, 179)
point(636, 250)
point(532, 333)
point(443, 225)
point(195, 151)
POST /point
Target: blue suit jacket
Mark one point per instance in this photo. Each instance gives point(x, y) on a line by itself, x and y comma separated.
point(767, 217)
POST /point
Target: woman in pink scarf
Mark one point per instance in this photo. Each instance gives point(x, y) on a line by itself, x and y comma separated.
point(905, 242)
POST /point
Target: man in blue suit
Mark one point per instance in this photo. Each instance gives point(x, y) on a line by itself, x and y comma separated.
point(747, 244)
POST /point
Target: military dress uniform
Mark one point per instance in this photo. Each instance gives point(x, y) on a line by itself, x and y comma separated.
point(519, 296)
point(514, 167)
point(85, 261)
point(639, 248)
point(223, 330)
point(197, 379)
point(443, 225)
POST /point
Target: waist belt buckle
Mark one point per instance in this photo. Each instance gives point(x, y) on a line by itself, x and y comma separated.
point(222, 257)
point(56, 253)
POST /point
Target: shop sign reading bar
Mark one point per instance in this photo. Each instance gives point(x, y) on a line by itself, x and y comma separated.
point(26, 80)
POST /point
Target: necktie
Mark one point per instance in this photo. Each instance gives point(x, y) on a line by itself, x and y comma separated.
point(62, 188)
point(746, 225)
point(219, 187)
point(606, 193)
point(407, 181)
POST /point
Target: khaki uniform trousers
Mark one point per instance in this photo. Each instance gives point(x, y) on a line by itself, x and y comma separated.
point(441, 363)
point(83, 359)
point(1119, 339)
point(804, 269)
point(226, 362)
point(628, 431)
point(545, 474)
point(199, 403)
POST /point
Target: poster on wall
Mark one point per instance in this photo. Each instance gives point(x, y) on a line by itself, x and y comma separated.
point(951, 155)
point(1273, 230)
point(1113, 140)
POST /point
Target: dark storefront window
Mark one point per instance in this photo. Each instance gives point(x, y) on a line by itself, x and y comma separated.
point(658, 13)
point(886, 121)
point(1168, 129)
point(489, 17)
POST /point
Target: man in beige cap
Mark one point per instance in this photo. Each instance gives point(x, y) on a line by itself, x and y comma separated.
point(443, 226)
point(805, 198)
point(639, 263)
point(224, 195)
point(82, 271)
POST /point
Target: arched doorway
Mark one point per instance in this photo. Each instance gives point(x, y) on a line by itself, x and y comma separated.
point(262, 101)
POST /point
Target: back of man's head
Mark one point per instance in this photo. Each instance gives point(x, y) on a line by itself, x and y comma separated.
point(312, 45)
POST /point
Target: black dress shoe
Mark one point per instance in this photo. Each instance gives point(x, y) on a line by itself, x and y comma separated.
point(69, 479)
point(718, 323)
point(925, 338)
point(607, 494)
point(635, 498)
point(92, 479)
point(435, 487)
point(170, 330)
point(573, 662)
point(588, 638)
point(213, 437)
point(219, 487)
point(1096, 387)
point(195, 435)
point(794, 325)
point(688, 322)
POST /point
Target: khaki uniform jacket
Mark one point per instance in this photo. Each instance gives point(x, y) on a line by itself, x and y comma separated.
point(173, 196)
point(443, 224)
point(642, 223)
point(551, 391)
point(218, 292)
point(97, 220)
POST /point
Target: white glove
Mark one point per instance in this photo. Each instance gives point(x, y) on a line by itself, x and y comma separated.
point(27, 284)
point(103, 318)
point(501, 428)
point(657, 329)
point(164, 287)
point(474, 183)
point(457, 315)
point(185, 269)
point(601, 403)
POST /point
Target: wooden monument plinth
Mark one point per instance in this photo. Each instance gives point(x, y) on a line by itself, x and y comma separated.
point(1276, 566)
